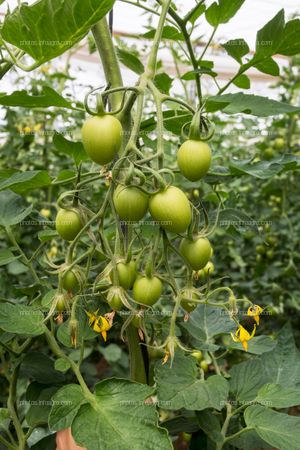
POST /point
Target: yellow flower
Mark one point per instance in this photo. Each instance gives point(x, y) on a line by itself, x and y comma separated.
point(243, 336)
point(255, 311)
point(100, 324)
point(247, 326)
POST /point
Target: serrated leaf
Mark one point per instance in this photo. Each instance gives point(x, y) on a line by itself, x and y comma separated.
point(236, 48)
point(12, 208)
point(205, 323)
point(21, 319)
point(278, 429)
point(46, 98)
point(276, 396)
point(222, 11)
point(24, 182)
point(179, 386)
point(66, 404)
point(120, 405)
point(237, 219)
point(130, 60)
point(248, 104)
point(61, 365)
point(70, 148)
point(46, 29)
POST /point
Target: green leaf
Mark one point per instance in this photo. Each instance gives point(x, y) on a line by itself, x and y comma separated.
point(12, 208)
point(179, 387)
point(46, 29)
point(40, 367)
point(70, 148)
point(168, 32)
point(265, 169)
point(47, 235)
point(268, 66)
point(238, 219)
point(282, 365)
point(246, 379)
point(112, 353)
point(206, 323)
point(46, 98)
point(279, 430)
point(276, 396)
point(290, 41)
point(248, 104)
point(257, 346)
point(40, 406)
point(222, 11)
point(21, 319)
point(195, 13)
point(66, 404)
point(249, 440)
point(243, 82)
point(24, 182)
point(120, 419)
point(61, 365)
point(236, 48)
point(130, 60)
point(6, 257)
point(278, 366)
point(269, 37)
point(210, 424)
point(163, 82)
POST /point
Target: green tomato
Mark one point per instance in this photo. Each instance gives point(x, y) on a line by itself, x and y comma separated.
point(197, 354)
point(269, 153)
point(147, 290)
point(193, 159)
point(207, 270)
point(204, 365)
point(260, 249)
point(279, 143)
point(60, 303)
point(102, 138)
point(126, 274)
point(272, 240)
point(115, 302)
point(188, 295)
point(196, 252)
point(270, 254)
point(130, 202)
point(70, 281)
point(68, 224)
point(171, 209)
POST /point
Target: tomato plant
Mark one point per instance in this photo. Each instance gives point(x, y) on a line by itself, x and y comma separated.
point(120, 326)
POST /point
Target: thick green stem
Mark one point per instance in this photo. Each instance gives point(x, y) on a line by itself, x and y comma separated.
point(109, 59)
point(137, 367)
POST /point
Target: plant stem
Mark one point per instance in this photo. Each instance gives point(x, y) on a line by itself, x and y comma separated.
point(109, 59)
point(12, 410)
point(137, 367)
point(59, 352)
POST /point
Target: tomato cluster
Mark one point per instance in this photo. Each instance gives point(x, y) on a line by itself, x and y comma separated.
point(168, 205)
